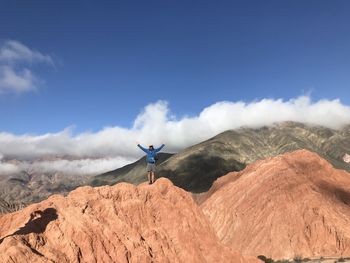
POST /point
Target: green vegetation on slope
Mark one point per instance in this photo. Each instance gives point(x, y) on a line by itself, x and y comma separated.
point(197, 167)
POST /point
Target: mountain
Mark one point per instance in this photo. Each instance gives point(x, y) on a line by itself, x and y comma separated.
point(123, 223)
point(197, 167)
point(194, 169)
point(295, 204)
point(6, 207)
point(26, 187)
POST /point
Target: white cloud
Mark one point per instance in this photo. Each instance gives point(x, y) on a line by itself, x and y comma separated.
point(19, 81)
point(76, 167)
point(8, 168)
point(116, 146)
point(15, 60)
point(155, 125)
point(14, 51)
point(80, 167)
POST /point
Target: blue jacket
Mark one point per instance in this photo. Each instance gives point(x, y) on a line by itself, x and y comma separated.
point(151, 154)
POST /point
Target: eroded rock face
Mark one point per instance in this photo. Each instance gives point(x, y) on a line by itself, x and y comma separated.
point(123, 223)
point(285, 206)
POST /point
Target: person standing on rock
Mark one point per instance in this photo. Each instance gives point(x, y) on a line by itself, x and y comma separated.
point(151, 159)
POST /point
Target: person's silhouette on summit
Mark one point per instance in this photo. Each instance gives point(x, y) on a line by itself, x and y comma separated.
point(151, 159)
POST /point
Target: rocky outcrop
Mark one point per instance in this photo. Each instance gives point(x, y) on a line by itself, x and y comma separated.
point(295, 204)
point(123, 223)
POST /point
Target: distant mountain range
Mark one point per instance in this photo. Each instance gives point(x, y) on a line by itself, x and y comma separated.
point(197, 167)
point(28, 187)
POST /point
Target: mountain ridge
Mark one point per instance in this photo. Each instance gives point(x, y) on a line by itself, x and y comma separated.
point(197, 167)
point(194, 168)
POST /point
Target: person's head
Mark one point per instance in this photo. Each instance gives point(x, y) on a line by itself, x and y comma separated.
point(150, 148)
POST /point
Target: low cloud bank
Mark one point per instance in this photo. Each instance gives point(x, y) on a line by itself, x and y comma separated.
point(156, 125)
point(68, 167)
point(80, 167)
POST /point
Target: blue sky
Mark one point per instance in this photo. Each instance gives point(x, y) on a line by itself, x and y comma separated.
point(112, 58)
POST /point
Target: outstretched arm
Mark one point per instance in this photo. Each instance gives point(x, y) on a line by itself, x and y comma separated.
point(142, 148)
point(158, 149)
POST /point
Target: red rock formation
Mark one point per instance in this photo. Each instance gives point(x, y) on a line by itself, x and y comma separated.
point(295, 204)
point(123, 223)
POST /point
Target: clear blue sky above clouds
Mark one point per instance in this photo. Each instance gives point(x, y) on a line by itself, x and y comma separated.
point(114, 57)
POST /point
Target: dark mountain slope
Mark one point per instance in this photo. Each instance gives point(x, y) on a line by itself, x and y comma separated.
point(196, 167)
point(135, 170)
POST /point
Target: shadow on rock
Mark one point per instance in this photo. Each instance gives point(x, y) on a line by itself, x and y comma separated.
point(37, 222)
point(340, 194)
point(198, 172)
